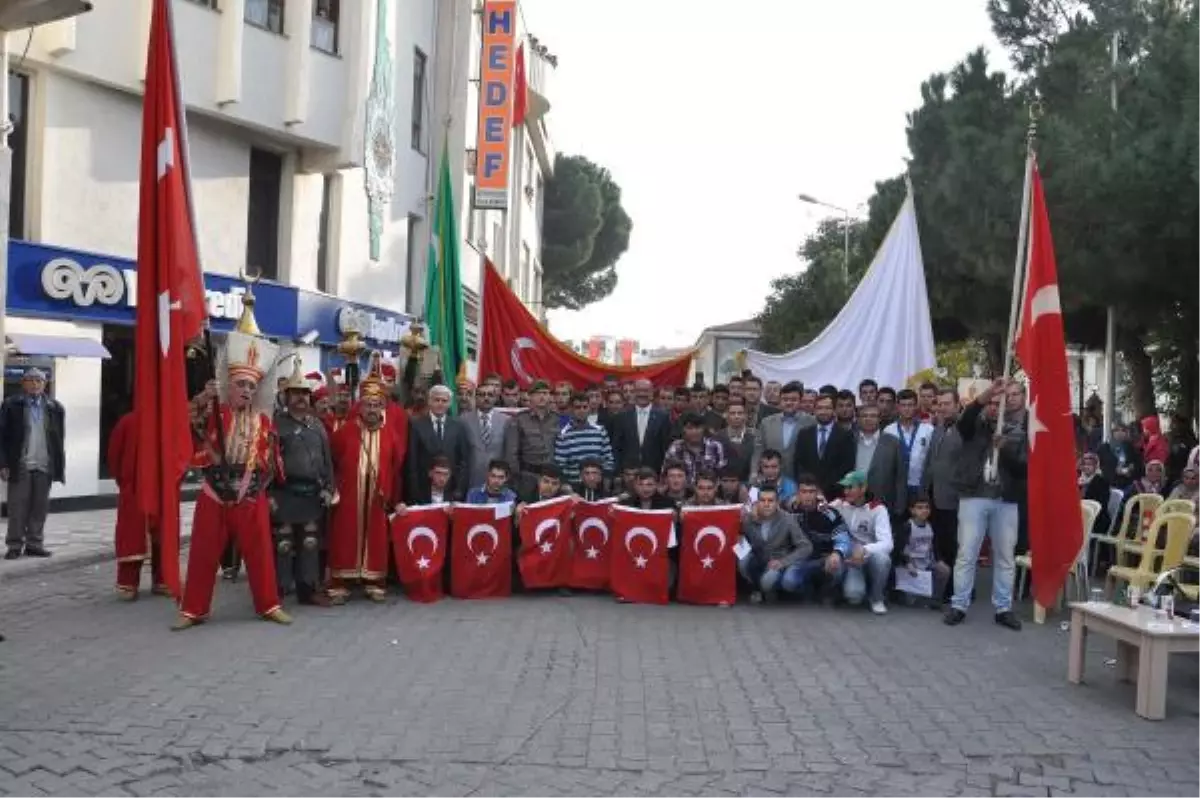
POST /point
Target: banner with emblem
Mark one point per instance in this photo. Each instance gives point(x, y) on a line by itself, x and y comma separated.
point(420, 537)
point(590, 561)
point(481, 551)
point(545, 556)
point(639, 571)
point(707, 564)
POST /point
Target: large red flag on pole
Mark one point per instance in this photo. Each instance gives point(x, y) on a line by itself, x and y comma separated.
point(1055, 518)
point(170, 307)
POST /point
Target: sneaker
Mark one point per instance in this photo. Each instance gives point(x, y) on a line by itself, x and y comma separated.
point(756, 597)
point(879, 608)
point(37, 552)
point(1009, 618)
point(954, 617)
point(12, 554)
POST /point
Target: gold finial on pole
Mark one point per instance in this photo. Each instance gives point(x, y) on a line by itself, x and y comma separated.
point(247, 323)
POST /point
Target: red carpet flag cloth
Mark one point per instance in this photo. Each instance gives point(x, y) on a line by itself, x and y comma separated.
point(640, 571)
point(590, 562)
point(545, 556)
point(1055, 517)
point(420, 538)
point(707, 564)
point(516, 346)
point(481, 551)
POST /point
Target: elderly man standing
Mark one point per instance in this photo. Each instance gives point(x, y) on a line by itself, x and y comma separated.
point(31, 458)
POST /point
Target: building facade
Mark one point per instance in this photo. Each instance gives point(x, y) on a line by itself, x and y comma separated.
point(717, 350)
point(311, 133)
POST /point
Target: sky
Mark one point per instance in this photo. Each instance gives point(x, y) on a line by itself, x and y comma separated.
point(712, 117)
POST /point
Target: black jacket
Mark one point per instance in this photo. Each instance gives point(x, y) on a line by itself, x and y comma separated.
point(424, 445)
point(841, 451)
point(626, 451)
point(12, 435)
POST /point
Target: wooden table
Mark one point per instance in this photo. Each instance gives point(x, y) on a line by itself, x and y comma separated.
point(1145, 642)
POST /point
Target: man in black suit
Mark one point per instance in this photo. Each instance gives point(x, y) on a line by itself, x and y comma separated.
point(433, 434)
point(825, 450)
point(642, 433)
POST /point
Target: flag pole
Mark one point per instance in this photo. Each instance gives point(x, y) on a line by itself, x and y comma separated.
point(1019, 270)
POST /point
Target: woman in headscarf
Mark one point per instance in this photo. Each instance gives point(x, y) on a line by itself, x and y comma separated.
point(1153, 481)
point(1187, 487)
point(1093, 486)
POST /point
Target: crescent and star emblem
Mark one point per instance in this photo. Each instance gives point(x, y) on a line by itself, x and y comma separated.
point(422, 532)
point(1044, 303)
point(591, 552)
point(640, 532)
point(717, 533)
point(482, 557)
point(515, 356)
point(544, 526)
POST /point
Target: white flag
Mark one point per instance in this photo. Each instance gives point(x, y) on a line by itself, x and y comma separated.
point(883, 331)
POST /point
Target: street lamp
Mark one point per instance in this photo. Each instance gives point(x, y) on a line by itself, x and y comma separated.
point(16, 15)
point(845, 230)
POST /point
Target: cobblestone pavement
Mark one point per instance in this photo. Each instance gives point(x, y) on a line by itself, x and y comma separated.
point(79, 538)
point(549, 695)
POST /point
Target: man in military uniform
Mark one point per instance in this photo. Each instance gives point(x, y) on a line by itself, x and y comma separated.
point(529, 442)
point(299, 502)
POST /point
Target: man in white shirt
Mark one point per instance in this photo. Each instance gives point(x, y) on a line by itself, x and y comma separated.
point(914, 436)
point(870, 560)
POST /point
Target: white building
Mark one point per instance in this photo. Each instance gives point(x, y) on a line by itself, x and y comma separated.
point(281, 95)
point(510, 238)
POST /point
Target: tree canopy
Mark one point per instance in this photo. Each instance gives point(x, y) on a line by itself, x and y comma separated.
point(1121, 189)
point(584, 232)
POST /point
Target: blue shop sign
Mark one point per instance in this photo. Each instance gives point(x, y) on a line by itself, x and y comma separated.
point(53, 282)
point(332, 318)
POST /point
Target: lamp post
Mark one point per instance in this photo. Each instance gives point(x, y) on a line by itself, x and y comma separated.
point(16, 15)
point(845, 230)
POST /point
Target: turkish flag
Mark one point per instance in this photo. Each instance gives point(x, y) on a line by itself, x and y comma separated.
point(420, 537)
point(640, 571)
point(520, 105)
point(590, 563)
point(481, 551)
point(545, 556)
point(516, 346)
point(707, 564)
point(170, 295)
point(1055, 517)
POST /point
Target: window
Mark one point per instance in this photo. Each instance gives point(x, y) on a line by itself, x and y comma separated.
point(262, 215)
point(529, 167)
point(265, 14)
point(18, 142)
point(413, 296)
point(526, 281)
point(325, 25)
point(323, 237)
point(498, 257)
point(207, 4)
point(418, 101)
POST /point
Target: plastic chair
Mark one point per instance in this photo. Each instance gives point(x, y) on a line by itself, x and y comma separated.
point(1155, 560)
point(1078, 572)
point(1176, 506)
point(1132, 534)
point(1121, 529)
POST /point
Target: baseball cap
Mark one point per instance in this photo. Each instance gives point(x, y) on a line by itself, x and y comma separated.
point(855, 479)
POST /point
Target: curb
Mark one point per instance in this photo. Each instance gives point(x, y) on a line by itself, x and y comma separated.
point(65, 561)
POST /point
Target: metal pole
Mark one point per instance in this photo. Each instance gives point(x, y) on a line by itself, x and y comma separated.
point(5, 199)
point(1110, 324)
point(1022, 244)
point(846, 248)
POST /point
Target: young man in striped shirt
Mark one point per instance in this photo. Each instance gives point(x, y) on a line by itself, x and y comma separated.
point(580, 441)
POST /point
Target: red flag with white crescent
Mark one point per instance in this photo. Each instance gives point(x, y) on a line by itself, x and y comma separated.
point(171, 308)
point(1055, 517)
point(481, 551)
point(707, 564)
point(640, 571)
point(590, 562)
point(420, 537)
point(545, 556)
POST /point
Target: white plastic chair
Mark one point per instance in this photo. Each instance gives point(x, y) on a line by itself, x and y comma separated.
point(1079, 572)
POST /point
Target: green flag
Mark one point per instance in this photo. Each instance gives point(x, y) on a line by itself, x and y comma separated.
point(443, 282)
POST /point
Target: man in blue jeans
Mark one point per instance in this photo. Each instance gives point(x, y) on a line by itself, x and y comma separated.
point(990, 479)
point(870, 562)
point(777, 547)
point(821, 574)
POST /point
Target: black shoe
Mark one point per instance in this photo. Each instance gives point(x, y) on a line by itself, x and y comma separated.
point(12, 554)
point(1009, 618)
point(564, 591)
point(954, 617)
point(36, 552)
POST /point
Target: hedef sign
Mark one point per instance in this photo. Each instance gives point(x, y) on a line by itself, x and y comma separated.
point(495, 104)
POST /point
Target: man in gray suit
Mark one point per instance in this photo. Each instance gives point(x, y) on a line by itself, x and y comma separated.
point(937, 481)
point(779, 431)
point(880, 458)
point(485, 433)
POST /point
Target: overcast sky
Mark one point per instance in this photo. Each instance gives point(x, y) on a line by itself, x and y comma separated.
point(713, 117)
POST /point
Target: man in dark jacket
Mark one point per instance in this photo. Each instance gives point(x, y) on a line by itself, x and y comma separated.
point(938, 480)
point(32, 427)
point(1120, 461)
point(990, 480)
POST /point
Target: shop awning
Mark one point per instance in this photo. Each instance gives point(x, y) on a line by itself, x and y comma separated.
point(56, 346)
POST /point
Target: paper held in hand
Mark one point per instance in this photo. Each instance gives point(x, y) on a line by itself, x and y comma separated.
point(918, 584)
point(742, 549)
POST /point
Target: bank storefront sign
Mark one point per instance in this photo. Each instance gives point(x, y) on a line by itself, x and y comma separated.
point(56, 283)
